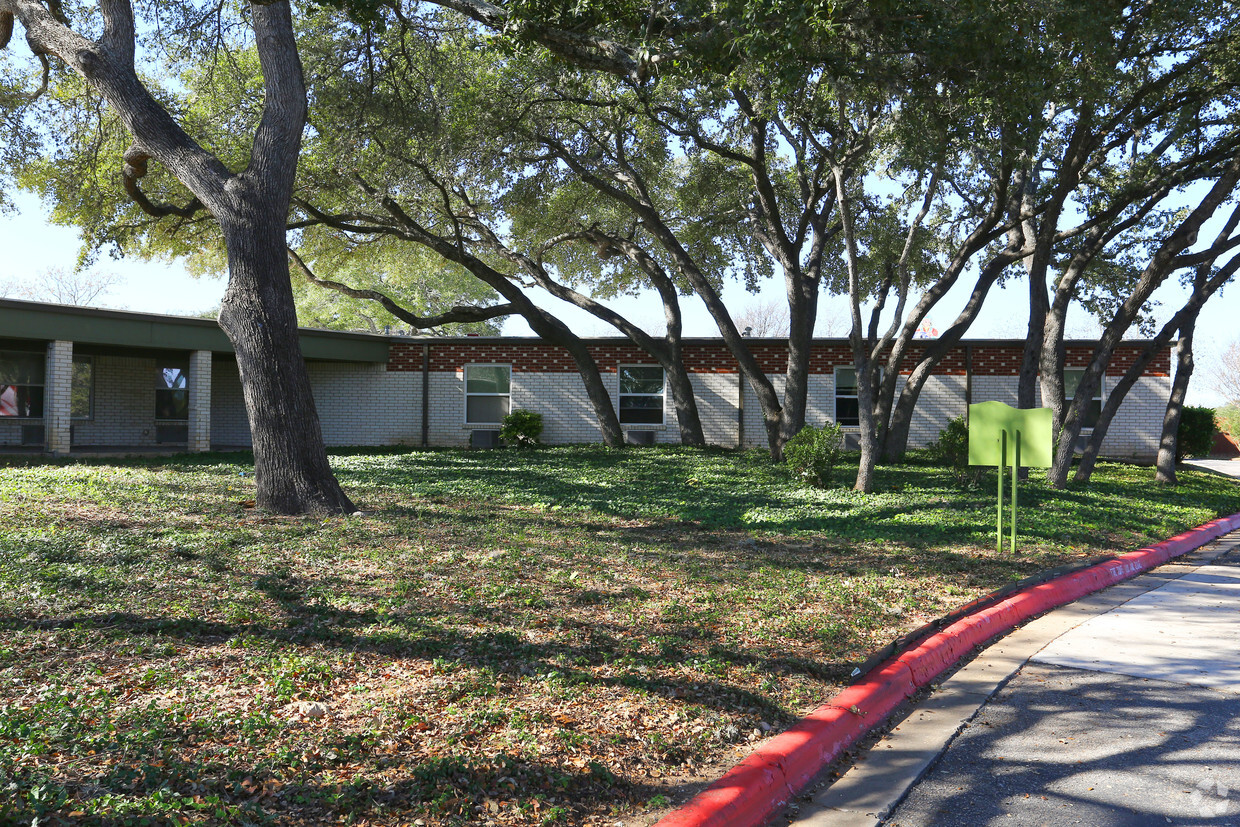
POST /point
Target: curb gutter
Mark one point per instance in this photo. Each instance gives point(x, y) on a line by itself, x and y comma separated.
point(773, 773)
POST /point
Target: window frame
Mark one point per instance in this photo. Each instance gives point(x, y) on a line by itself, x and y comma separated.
point(183, 367)
point(467, 394)
point(622, 395)
point(837, 396)
point(41, 385)
point(1094, 411)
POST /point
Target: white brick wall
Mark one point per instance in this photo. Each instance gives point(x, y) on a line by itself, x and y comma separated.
point(229, 424)
point(124, 409)
point(365, 404)
point(716, 398)
point(358, 404)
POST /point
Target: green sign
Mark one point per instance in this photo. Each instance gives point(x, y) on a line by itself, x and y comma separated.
point(1001, 435)
point(988, 421)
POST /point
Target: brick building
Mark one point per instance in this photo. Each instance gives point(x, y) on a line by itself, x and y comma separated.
point(80, 379)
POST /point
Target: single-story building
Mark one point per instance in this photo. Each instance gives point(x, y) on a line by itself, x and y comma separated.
point(82, 379)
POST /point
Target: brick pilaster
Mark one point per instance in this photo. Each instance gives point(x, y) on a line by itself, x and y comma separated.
point(58, 396)
point(199, 401)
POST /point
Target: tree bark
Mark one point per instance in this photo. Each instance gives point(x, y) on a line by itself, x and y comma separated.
point(1164, 469)
point(290, 460)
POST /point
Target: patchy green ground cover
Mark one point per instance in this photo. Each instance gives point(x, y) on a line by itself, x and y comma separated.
point(542, 637)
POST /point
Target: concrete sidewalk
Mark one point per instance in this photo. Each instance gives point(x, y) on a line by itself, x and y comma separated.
point(1120, 709)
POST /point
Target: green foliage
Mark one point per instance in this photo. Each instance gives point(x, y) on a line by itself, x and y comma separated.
point(1227, 420)
point(951, 450)
point(1196, 434)
point(200, 638)
point(415, 279)
point(522, 428)
point(811, 454)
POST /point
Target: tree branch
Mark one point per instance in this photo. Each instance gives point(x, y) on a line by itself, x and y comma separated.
point(135, 169)
point(462, 314)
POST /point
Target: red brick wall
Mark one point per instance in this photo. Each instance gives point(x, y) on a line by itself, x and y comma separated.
point(989, 359)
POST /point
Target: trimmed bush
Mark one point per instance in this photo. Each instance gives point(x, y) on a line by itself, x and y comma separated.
point(951, 450)
point(1227, 419)
point(522, 428)
point(1196, 435)
point(811, 455)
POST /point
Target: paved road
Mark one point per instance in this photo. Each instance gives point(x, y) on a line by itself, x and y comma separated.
point(1227, 467)
point(1121, 709)
point(1132, 718)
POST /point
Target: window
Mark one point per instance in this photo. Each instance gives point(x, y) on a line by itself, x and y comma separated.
point(847, 409)
point(172, 392)
point(21, 384)
point(1091, 412)
point(82, 394)
point(641, 395)
point(487, 394)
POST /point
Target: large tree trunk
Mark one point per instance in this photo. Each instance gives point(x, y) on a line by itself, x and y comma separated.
point(865, 415)
point(1164, 473)
point(293, 475)
point(802, 313)
point(683, 398)
point(290, 461)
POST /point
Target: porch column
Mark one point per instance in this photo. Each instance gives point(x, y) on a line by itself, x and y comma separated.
point(58, 397)
point(199, 401)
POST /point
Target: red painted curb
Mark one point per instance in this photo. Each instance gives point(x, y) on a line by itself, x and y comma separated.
point(762, 783)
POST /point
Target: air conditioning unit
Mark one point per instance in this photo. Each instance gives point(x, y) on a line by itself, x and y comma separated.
point(639, 437)
point(32, 435)
point(852, 441)
point(484, 439)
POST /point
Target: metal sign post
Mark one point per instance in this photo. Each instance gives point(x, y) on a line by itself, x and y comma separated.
point(992, 425)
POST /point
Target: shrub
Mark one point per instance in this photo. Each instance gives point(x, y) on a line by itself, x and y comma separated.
point(1227, 419)
point(522, 428)
point(811, 454)
point(1196, 435)
point(951, 450)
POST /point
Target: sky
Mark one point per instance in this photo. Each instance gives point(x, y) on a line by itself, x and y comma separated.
point(31, 245)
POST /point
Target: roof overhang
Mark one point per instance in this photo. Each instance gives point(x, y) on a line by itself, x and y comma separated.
point(148, 331)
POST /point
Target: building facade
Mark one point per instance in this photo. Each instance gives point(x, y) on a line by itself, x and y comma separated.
point(78, 379)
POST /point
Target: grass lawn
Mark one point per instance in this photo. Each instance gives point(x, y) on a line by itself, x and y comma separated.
point(560, 636)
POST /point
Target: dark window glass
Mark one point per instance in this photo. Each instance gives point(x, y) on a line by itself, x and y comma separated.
point(485, 410)
point(21, 384)
point(846, 407)
point(1093, 411)
point(172, 393)
point(641, 395)
point(641, 410)
point(25, 401)
point(18, 368)
point(81, 404)
point(487, 389)
point(847, 411)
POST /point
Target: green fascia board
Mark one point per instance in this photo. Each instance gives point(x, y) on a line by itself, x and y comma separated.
point(33, 320)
